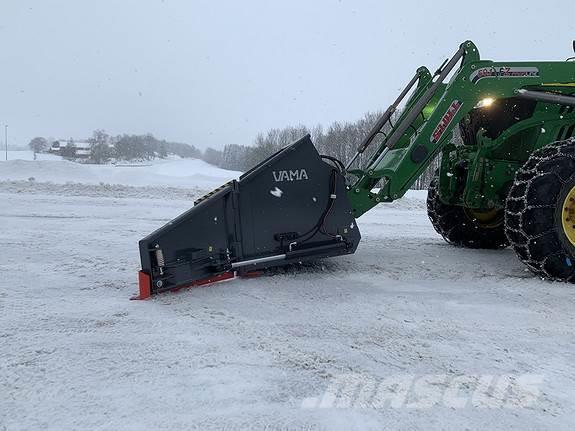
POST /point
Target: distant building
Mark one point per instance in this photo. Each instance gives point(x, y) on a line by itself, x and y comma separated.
point(56, 147)
point(82, 148)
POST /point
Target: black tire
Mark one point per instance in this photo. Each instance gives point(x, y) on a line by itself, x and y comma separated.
point(462, 227)
point(534, 211)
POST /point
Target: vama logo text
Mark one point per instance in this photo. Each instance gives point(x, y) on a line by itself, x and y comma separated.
point(295, 175)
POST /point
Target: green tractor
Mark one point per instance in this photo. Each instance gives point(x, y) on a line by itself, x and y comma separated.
point(508, 180)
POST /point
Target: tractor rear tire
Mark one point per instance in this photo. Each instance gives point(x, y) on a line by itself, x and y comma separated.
point(540, 212)
point(464, 227)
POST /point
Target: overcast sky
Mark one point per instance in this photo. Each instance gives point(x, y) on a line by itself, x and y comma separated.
point(216, 72)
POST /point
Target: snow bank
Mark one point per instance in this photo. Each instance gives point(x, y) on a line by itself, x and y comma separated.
point(189, 174)
point(171, 173)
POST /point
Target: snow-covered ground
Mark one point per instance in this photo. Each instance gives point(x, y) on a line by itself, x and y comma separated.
point(27, 155)
point(75, 353)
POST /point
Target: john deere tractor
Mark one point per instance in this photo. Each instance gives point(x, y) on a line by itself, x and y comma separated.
point(507, 180)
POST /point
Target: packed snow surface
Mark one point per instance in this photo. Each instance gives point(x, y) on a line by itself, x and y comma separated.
point(76, 354)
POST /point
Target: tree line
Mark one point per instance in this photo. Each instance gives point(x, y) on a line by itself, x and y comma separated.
point(339, 140)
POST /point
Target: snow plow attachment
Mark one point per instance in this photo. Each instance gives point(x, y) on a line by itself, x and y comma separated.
point(290, 208)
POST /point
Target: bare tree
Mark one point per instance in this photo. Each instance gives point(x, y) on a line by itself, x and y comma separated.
point(100, 151)
point(37, 145)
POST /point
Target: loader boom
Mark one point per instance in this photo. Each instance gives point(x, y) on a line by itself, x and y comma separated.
point(426, 124)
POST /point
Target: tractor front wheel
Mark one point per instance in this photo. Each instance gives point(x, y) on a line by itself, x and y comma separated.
point(465, 227)
point(540, 212)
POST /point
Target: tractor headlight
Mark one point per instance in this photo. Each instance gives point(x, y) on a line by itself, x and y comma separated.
point(485, 103)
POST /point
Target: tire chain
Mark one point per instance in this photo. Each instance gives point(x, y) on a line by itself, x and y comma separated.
point(432, 213)
point(519, 240)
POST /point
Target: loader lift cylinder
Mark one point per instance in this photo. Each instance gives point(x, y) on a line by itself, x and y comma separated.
point(376, 129)
point(418, 107)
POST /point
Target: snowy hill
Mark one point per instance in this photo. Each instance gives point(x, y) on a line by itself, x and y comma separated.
point(174, 172)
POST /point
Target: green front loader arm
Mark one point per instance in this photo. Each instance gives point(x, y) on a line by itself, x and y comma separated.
point(425, 126)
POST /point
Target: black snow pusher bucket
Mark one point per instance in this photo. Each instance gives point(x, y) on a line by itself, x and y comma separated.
point(290, 208)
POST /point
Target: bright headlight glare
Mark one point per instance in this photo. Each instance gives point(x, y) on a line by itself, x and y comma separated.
point(485, 103)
